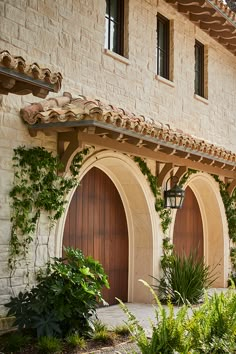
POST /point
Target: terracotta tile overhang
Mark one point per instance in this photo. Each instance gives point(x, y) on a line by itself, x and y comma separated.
point(20, 78)
point(212, 16)
point(101, 124)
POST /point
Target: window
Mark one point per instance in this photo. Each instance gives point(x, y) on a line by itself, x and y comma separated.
point(199, 68)
point(163, 39)
point(114, 39)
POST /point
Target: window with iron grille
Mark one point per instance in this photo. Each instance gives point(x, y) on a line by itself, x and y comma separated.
point(163, 43)
point(114, 39)
point(199, 68)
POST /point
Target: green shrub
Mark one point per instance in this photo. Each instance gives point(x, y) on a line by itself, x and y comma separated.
point(75, 340)
point(49, 345)
point(13, 342)
point(65, 297)
point(184, 279)
point(212, 327)
point(168, 333)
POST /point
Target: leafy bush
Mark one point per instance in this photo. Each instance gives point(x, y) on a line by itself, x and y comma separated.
point(213, 326)
point(65, 297)
point(184, 279)
point(168, 334)
point(48, 345)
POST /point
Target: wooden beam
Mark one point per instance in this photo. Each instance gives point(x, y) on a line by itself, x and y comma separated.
point(154, 155)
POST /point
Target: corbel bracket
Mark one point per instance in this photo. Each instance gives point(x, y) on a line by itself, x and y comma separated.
point(67, 144)
point(165, 170)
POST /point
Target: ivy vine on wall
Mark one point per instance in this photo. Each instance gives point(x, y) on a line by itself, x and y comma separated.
point(165, 214)
point(37, 188)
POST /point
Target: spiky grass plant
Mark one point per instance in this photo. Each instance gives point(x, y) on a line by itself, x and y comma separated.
point(76, 341)
point(103, 337)
point(122, 330)
point(98, 325)
point(184, 279)
point(47, 345)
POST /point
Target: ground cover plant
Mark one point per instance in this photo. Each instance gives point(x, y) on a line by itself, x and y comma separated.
point(73, 343)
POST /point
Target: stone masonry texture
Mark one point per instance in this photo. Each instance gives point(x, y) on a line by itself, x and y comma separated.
point(68, 36)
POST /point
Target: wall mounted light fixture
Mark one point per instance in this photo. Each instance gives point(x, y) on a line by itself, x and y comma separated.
point(173, 197)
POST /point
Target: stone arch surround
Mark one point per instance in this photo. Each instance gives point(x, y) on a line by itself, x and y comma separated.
point(145, 239)
point(215, 229)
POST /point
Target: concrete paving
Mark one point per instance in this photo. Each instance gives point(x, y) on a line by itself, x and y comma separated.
point(113, 315)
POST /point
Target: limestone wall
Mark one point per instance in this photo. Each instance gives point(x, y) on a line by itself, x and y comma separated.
point(68, 36)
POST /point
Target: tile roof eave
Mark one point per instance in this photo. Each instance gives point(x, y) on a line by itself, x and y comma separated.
point(21, 78)
point(212, 16)
point(80, 112)
point(131, 134)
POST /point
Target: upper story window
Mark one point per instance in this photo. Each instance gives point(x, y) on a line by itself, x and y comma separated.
point(199, 68)
point(114, 39)
point(163, 44)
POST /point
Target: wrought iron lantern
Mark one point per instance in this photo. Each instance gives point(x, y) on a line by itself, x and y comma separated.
point(173, 197)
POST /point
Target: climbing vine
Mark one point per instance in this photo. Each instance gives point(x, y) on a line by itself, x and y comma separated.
point(165, 214)
point(37, 188)
point(186, 176)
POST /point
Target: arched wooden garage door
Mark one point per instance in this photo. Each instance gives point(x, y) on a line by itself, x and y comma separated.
point(96, 224)
point(188, 230)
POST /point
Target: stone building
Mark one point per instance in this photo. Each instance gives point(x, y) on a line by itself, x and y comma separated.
point(148, 78)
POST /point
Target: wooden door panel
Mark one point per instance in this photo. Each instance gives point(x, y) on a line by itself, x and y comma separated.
point(96, 224)
point(188, 230)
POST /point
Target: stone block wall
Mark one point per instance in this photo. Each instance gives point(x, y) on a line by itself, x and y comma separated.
point(68, 36)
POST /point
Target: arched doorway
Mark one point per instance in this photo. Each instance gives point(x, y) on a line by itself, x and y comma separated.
point(144, 247)
point(188, 229)
point(96, 224)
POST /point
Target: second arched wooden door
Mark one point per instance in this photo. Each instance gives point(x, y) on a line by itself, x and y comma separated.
point(96, 224)
point(188, 230)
